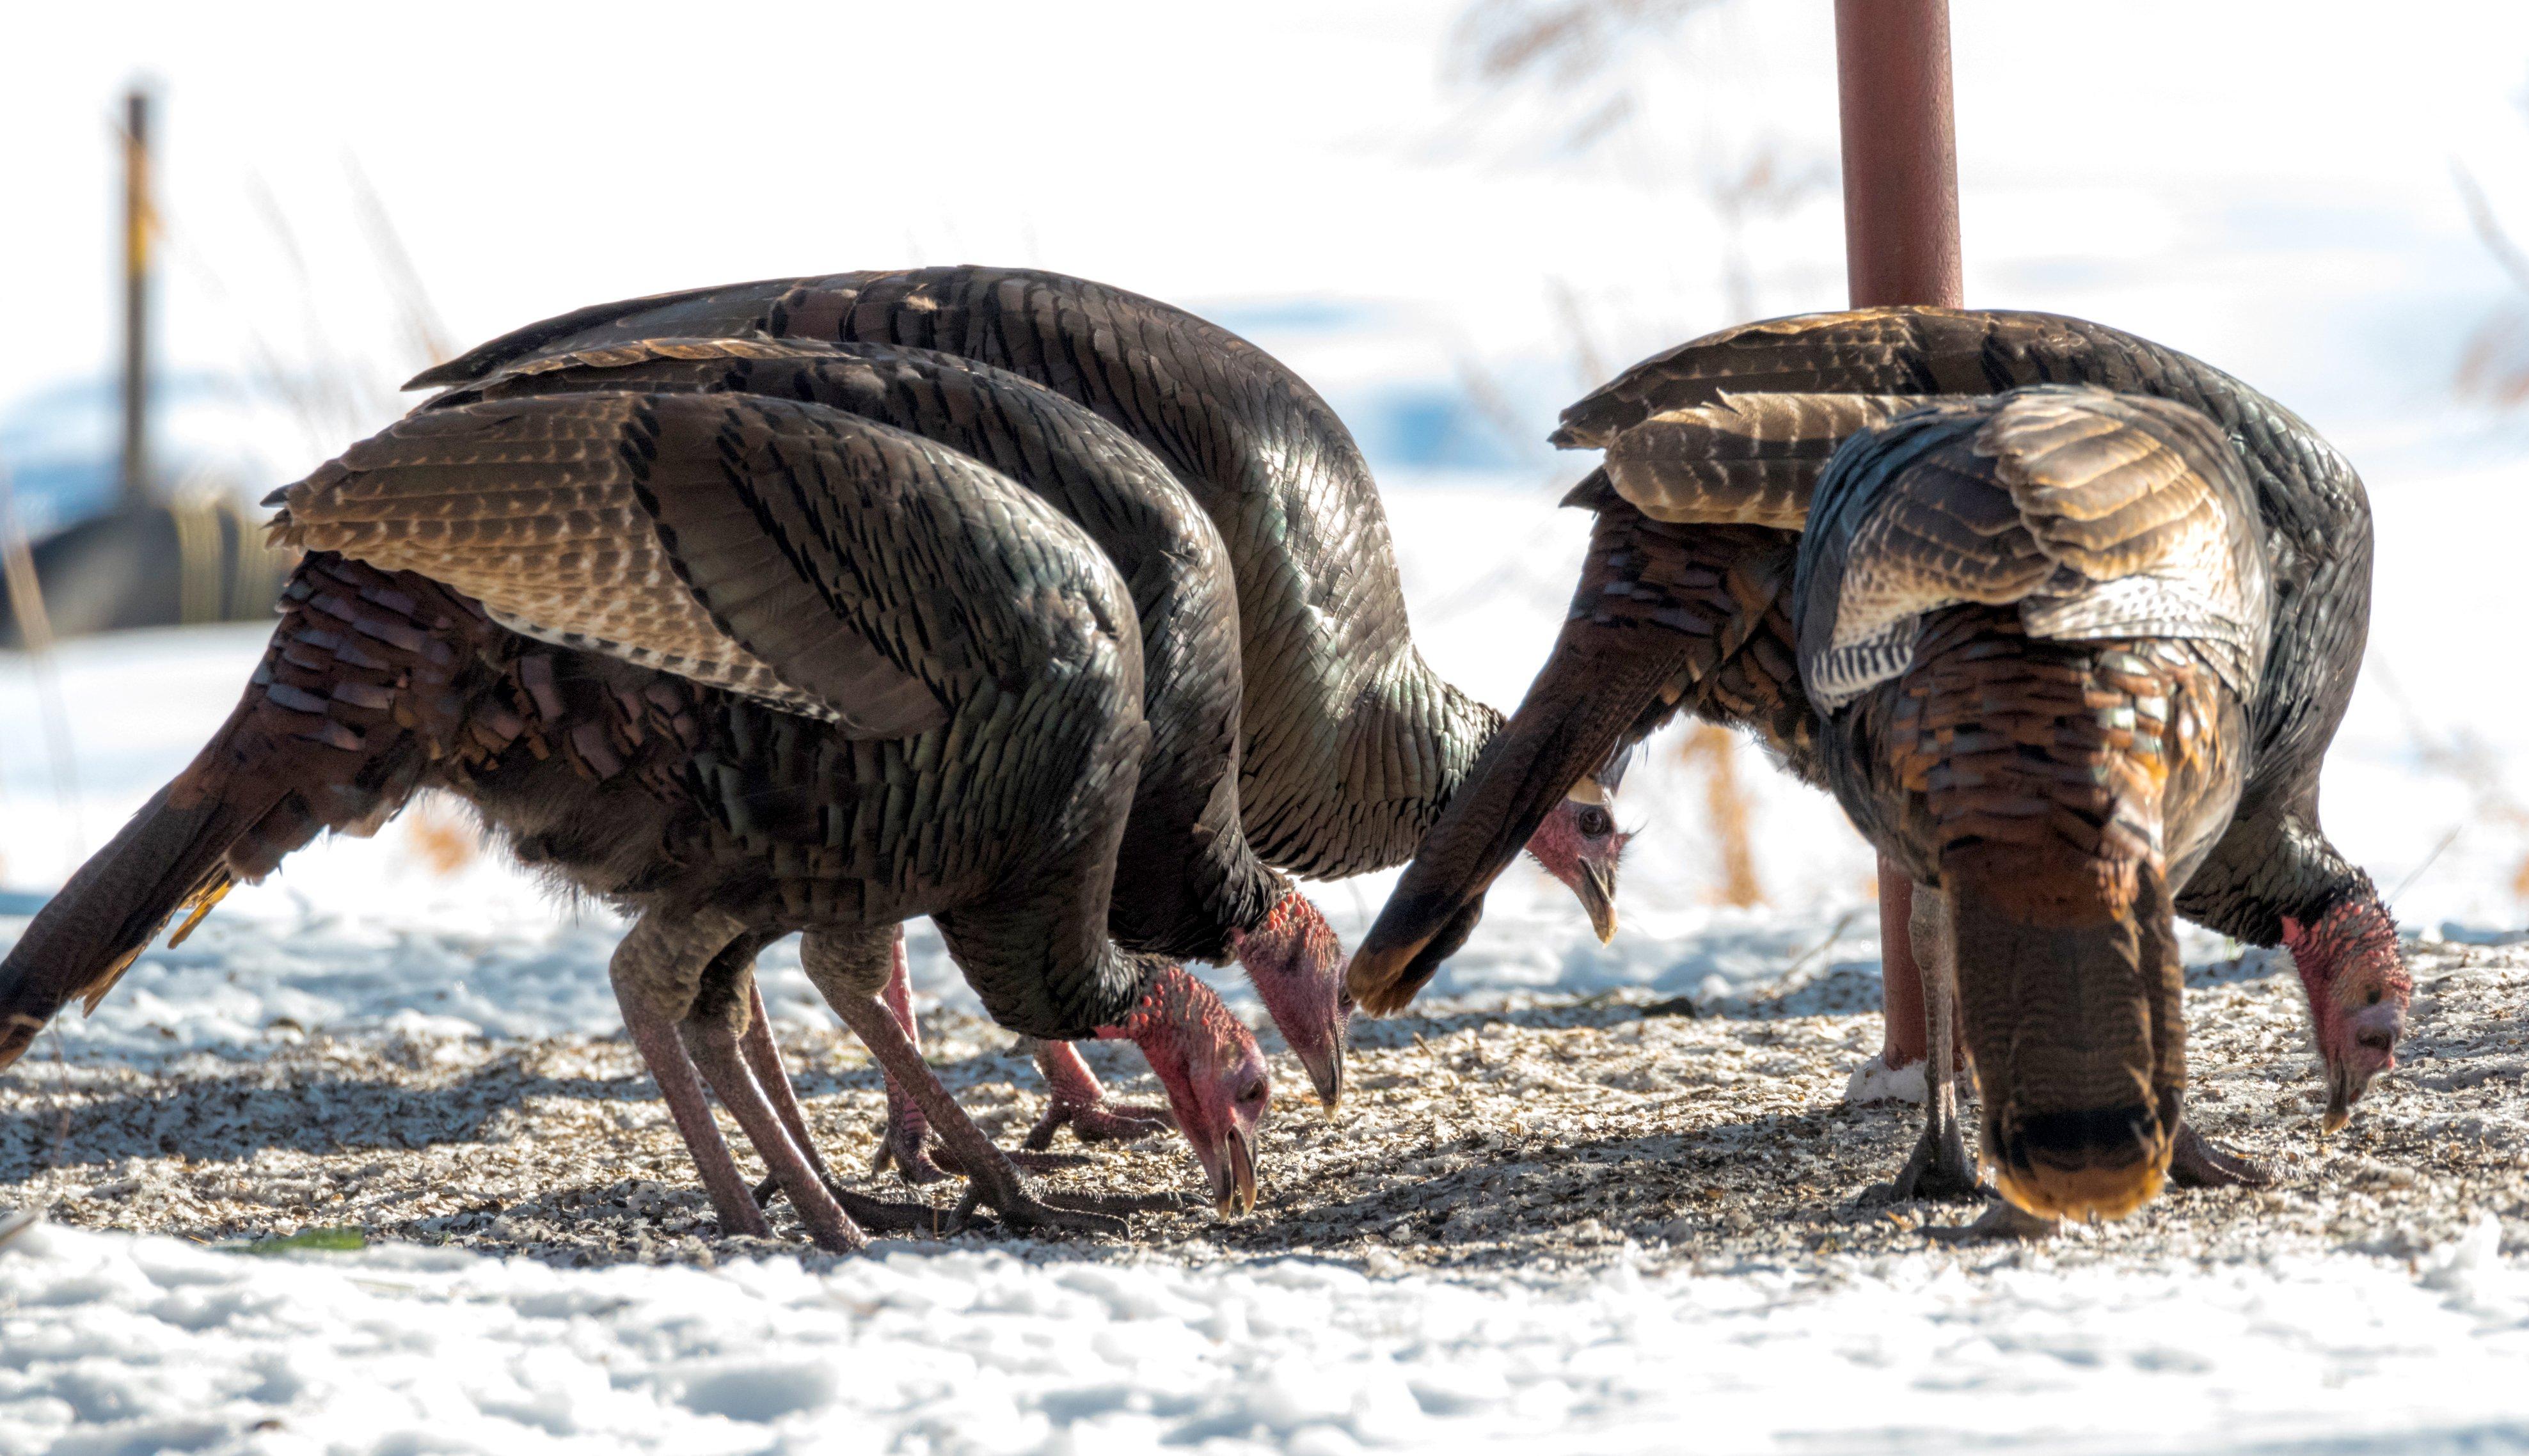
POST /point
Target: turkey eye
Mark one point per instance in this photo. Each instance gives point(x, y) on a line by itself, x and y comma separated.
point(2375, 995)
point(1594, 822)
point(1255, 1092)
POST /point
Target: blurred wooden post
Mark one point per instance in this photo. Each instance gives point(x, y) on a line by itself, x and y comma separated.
point(137, 221)
point(1901, 245)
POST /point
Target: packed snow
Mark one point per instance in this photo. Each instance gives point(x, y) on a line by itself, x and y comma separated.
point(111, 1343)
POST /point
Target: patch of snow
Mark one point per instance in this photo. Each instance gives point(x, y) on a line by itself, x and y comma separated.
point(121, 1343)
point(1874, 1082)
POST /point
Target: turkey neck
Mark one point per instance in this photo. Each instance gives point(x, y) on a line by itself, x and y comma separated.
point(2275, 862)
point(1352, 743)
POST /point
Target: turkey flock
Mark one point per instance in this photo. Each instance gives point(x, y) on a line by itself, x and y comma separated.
point(1071, 620)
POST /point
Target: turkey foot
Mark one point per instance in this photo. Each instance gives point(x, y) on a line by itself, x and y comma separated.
point(1026, 1160)
point(2198, 1161)
point(2001, 1219)
point(1941, 1170)
point(994, 1182)
point(873, 1215)
point(1075, 1099)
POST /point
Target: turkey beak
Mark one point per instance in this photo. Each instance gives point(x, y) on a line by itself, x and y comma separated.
point(1598, 891)
point(2344, 1087)
point(2376, 1030)
point(1326, 1074)
point(1232, 1167)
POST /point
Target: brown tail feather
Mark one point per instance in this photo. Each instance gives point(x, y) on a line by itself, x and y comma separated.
point(369, 676)
point(2079, 1047)
point(1745, 460)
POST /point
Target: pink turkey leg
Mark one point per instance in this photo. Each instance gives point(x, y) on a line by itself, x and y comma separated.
point(1075, 1097)
point(901, 1140)
point(714, 1047)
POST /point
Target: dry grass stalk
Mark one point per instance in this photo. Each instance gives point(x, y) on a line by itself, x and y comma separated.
point(2496, 364)
point(1725, 804)
point(441, 835)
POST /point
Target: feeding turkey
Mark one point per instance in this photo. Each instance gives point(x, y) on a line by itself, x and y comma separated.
point(1187, 885)
point(2033, 625)
point(1714, 451)
point(826, 675)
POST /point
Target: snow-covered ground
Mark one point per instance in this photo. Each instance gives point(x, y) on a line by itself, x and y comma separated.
point(161, 1346)
point(123, 1343)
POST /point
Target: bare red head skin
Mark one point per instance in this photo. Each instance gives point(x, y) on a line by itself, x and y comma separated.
point(1215, 1076)
point(2358, 989)
point(1579, 845)
point(1297, 966)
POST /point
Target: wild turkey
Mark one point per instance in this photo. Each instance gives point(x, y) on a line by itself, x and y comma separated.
point(749, 567)
point(1684, 606)
point(1188, 885)
point(1353, 745)
point(2033, 625)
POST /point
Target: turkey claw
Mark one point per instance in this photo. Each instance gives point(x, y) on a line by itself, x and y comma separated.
point(2198, 1161)
point(2001, 1219)
point(1022, 1209)
point(911, 1160)
point(885, 1216)
point(876, 1215)
point(1120, 1203)
point(1099, 1122)
point(1932, 1174)
point(1025, 1160)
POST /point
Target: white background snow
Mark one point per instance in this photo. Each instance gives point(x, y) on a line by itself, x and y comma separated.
point(2278, 200)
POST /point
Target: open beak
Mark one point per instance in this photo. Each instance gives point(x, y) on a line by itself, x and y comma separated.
point(2344, 1088)
point(1597, 892)
point(1232, 1167)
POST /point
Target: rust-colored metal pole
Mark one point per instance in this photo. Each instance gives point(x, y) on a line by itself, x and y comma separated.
point(1901, 245)
point(1901, 155)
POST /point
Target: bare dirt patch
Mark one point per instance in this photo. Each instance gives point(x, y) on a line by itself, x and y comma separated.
point(1536, 1135)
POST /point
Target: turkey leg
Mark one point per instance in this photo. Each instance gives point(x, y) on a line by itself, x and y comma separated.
point(650, 967)
point(1074, 1097)
point(904, 1142)
point(848, 971)
point(1902, 1013)
point(900, 1142)
point(1941, 1166)
point(764, 1058)
point(712, 1041)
